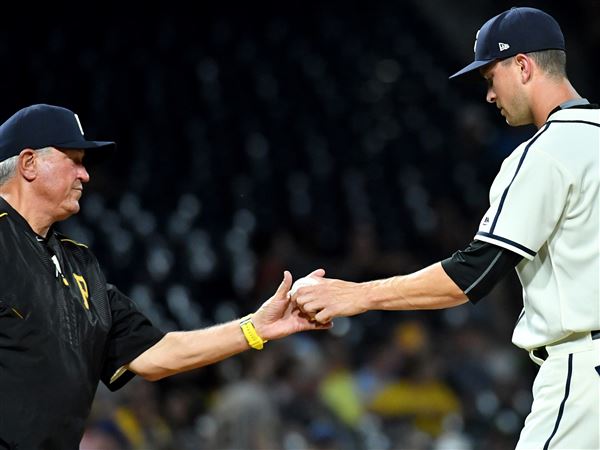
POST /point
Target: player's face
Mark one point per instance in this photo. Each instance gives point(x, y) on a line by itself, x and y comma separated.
point(61, 176)
point(504, 88)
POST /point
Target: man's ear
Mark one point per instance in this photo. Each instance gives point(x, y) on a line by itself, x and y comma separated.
point(27, 165)
point(526, 67)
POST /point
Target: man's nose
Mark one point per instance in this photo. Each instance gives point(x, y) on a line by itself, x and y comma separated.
point(83, 175)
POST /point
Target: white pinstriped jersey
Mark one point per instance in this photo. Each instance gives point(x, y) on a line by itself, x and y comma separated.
point(545, 206)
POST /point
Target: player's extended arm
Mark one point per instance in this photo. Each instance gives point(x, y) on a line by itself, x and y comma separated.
point(429, 288)
point(180, 351)
point(469, 274)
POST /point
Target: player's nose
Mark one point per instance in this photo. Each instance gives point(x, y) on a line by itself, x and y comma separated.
point(83, 174)
point(490, 96)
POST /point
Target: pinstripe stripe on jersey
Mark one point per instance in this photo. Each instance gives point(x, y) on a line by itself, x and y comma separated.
point(505, 193)
point(561, 409)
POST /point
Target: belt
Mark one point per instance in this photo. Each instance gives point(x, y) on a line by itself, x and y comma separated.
point(542, 353)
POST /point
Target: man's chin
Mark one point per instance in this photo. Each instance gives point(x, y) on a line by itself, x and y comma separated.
point(517, 124)
point(511, 121)
point(73, 208)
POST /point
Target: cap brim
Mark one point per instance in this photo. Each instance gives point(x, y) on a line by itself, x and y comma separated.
point(471, 67)
point(87, 145)
point(96, 151)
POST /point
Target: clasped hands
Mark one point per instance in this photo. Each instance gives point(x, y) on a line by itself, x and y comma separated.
point(322, 299)
point(310, 303)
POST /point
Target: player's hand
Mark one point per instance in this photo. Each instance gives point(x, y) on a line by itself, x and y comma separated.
point(323, 299)
point(279, 317)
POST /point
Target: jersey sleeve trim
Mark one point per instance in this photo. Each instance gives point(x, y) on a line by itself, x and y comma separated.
point(120, 371)
point(506, 243)
point(505, 193)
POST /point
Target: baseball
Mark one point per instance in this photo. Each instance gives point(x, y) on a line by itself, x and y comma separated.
point(302, 282)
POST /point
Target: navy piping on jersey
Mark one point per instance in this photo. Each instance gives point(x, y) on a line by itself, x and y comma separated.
point(585, 122)
point(520, 317)
point(561, 410)
point(505, 193)
point(507, 241)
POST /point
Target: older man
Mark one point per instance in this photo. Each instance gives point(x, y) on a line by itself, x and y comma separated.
point(63, 328)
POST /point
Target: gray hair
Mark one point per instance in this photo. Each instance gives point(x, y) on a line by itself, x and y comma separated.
point(8, 167)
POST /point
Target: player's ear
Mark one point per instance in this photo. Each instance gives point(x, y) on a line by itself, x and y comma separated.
point(525, 66)
point(27, 164)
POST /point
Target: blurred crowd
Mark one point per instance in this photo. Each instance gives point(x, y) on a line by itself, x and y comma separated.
point(253, 143)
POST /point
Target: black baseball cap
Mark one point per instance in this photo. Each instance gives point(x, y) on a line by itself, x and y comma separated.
point(518, 30)
point(39, 126)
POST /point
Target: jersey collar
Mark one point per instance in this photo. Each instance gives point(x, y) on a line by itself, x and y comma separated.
point(573, 103)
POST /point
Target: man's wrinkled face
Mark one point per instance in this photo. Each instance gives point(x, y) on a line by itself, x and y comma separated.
point(61, 175)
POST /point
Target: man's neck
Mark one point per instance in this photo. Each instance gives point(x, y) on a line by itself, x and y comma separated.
point(38, 222)
point(548, 96)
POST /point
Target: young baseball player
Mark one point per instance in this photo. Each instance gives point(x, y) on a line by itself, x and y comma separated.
point(543, 220)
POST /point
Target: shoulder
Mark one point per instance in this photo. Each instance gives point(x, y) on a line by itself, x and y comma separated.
point(569, 128)
point(586, 115)
point(536, 160)
point(515, 158)
point(79, 250)
point(6, 226)
point(570, 140)
point(67, 241)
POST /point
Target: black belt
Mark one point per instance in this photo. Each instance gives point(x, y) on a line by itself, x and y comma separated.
point(542, 353)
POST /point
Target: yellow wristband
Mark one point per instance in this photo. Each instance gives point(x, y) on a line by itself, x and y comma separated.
point(254, 340)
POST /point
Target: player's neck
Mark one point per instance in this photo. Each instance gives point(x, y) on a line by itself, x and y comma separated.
point(550, 94)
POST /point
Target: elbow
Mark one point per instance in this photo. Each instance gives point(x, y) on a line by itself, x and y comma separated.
point(454, 296)
point(155, 376)
point(156, 362)
point(153, 372)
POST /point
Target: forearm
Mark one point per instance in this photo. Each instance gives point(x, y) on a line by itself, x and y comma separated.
point(181, 351)
point(429, 288)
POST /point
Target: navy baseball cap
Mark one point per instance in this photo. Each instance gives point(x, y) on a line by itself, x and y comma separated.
point(39, 126)
point(518, 30)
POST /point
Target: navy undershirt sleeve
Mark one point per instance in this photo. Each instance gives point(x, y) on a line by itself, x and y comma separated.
point(479, 267)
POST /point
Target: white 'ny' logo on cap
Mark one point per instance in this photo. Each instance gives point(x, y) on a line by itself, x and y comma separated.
point(475, 44)
point(503, 46)
point(78, 123)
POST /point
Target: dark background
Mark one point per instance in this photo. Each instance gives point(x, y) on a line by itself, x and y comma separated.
point(254, 138)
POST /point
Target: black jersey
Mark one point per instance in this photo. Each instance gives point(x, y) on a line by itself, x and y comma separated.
point(62, 330)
